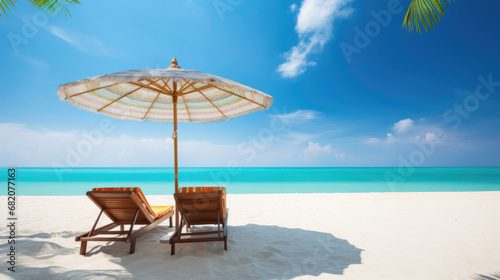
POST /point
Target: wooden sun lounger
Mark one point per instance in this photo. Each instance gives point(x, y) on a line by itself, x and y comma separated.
point(123, 207)
point(201, 208)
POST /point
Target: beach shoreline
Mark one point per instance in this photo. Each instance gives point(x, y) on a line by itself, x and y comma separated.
point(424, 235)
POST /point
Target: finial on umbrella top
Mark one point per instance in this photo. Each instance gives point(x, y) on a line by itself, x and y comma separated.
point(174, 64)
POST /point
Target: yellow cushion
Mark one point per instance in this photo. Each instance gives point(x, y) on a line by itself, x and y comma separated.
point(161, 211)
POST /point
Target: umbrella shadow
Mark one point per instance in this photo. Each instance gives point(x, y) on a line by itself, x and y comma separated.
point(282, 253)
point(254, 252)
point(494, 276)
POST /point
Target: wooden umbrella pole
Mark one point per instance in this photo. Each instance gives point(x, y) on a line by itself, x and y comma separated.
point(176, 166)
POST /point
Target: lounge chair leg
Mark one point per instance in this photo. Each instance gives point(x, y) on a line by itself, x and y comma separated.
point(170, 219)
point(132, 246)
point(83, 248)
point(172, 249)
point(225, 244)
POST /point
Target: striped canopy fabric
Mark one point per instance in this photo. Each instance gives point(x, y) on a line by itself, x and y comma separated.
point(146, 95)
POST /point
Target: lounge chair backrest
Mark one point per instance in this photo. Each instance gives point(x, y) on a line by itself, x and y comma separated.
point(121, 205)
point(201, 207)
point(136, 190)
point(207, 189)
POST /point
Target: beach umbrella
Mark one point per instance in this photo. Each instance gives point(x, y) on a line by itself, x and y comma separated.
point(172, 95)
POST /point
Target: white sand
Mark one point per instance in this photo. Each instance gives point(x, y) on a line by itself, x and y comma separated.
point(282, 236)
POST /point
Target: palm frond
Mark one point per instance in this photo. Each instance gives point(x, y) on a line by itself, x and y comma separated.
point(53, 7)
point(424, 13)
point(4, 4)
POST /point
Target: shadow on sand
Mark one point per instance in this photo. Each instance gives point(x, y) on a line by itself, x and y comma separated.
point(254, 252)
point(495, 276)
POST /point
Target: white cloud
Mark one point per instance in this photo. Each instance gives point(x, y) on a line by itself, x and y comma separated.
point(376, 141)
point(293, 7)
point(429, 136)
point(390, 138)
point(82, 43)
point(22, 146)
point(403, 125)
point(316, 149)
point(372, 141)
point(314, 28)
point(298, 116)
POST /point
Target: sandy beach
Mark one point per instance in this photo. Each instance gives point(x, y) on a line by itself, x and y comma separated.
point(278, 236)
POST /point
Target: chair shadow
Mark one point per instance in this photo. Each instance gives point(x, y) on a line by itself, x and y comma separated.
point(254, 252)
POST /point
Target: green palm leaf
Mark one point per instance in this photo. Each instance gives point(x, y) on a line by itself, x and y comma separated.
point(423, 13)
point(4, 4)
point(51, 7)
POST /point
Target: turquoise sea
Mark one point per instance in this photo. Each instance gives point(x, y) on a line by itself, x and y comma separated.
point(77, 181)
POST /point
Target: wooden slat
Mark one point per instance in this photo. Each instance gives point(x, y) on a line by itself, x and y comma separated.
point(122, 205)
point(110, 232)
point(203, 239)
point(201, 207)
point(109, 193)
point(203, 221)
point(201, 232)
point(199, 195)
point(200, 216)
point(103, 239)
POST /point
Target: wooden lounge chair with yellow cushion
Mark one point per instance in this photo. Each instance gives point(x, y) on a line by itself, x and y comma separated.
point(201, 206)
point(124, 206)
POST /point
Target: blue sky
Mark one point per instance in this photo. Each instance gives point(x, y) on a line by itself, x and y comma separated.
point(348, 90)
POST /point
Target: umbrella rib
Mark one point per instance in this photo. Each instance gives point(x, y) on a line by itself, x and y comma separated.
point(152, 104)
point(98, 110)
point(196, 89)
point(187, 109)
point(242, 97)
point(186, 86)
point(91, 90)
point(211, 102)
point(183, 86)
point(166, 84)
point(160, 87)
point(148, 87)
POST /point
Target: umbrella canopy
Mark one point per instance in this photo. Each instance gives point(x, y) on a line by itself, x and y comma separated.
point(147, 95)
point(169, 95)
